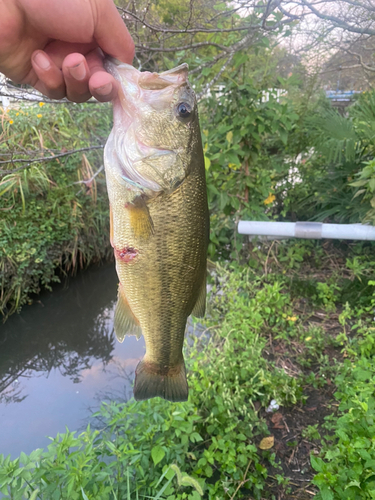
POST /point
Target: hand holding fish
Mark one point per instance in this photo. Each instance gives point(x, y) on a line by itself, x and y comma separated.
point(56, 46)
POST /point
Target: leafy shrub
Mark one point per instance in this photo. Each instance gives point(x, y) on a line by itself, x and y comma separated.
point(245, 136)
point(53, 214)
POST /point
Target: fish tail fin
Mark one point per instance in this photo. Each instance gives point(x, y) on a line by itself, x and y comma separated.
point(170, 384)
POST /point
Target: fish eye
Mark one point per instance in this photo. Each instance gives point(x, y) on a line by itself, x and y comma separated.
point(184, 110)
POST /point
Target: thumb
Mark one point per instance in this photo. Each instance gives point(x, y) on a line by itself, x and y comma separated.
point(112, 35)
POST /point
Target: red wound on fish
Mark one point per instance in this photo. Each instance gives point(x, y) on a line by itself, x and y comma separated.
point(126, 254)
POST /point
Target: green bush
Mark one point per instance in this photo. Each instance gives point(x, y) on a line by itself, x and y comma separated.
point(50, 218)
point(347, 467)
point(245, 137)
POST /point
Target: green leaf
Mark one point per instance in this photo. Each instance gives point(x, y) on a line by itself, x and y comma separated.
point(207, 163)
point(157, 454)
point(283, 136)
point(35, 494)
point(317, 463)
point(84, 494)
point(326, 493)
point(358, 183)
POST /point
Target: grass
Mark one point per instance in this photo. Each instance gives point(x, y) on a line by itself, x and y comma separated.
point(310, 352)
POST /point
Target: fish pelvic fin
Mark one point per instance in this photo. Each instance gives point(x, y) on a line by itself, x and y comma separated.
point(153, 381)
point(140, 218)
point(125, 323)
point(199, 308)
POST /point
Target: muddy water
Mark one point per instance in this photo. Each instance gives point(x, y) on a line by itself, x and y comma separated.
point(58, 358)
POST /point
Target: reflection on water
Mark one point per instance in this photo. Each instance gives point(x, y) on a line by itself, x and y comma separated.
point(56, 356)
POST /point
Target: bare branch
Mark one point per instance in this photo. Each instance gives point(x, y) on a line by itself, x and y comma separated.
point(31, 95)
point(184, 47)
point(340, 23)
point(28, 161)
point(216, 77)
point(191, 30)
point(360, 58)
point(340, 68)
point(88, 181)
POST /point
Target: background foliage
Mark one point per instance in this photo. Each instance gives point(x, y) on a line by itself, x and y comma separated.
point(53, 214)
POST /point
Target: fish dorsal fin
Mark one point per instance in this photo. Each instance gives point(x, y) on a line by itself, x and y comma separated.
point(125, 323)
point(199, 308)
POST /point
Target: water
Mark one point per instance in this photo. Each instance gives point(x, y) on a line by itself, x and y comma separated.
point(58, 358)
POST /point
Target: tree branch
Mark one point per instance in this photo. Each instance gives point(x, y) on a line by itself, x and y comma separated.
point(359, 57)
point(42, 159)
point(160, 29)
point(216, 77)
point(340, 23)
point(184, 47)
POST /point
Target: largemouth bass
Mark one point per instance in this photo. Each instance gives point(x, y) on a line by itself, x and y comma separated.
point(159, 220)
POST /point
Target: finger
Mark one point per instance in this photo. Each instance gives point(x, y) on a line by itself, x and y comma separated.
point(76, 75)
point(111, 33)
point(58, 50)
point(102, 85)
point(50, 78)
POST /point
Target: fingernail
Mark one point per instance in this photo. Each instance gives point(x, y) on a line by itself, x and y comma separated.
point(78, 72)
point(42, 61)
point(105, 89)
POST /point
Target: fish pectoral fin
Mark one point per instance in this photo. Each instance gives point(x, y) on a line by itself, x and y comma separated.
point(199, 308)
point(152, 381)
point(140, 218)
point(125, 323)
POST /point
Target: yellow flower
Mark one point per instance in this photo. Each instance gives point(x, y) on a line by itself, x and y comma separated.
point(41, 104)
point(39, 115)
point(308, 339)
point(17, 114)
point(270, 199)
point(292, 318)
point(11, 122)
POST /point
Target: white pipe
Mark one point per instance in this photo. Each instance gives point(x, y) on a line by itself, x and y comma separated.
point(309, 230)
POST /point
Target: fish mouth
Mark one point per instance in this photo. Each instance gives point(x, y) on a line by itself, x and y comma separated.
point(147, 80)
point(156, 89)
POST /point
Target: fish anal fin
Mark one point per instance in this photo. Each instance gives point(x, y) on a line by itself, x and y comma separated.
point(199, 308)
point(125, 323)
point(140, 219)
point(152, 381)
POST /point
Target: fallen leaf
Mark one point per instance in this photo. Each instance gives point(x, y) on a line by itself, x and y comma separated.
point(276, 419)
point(267, 443)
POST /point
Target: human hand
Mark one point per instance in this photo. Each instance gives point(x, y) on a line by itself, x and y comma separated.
point(56, 46)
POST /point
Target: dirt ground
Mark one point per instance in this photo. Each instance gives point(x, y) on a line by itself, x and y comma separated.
point(287, 424)
point(292, 450)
